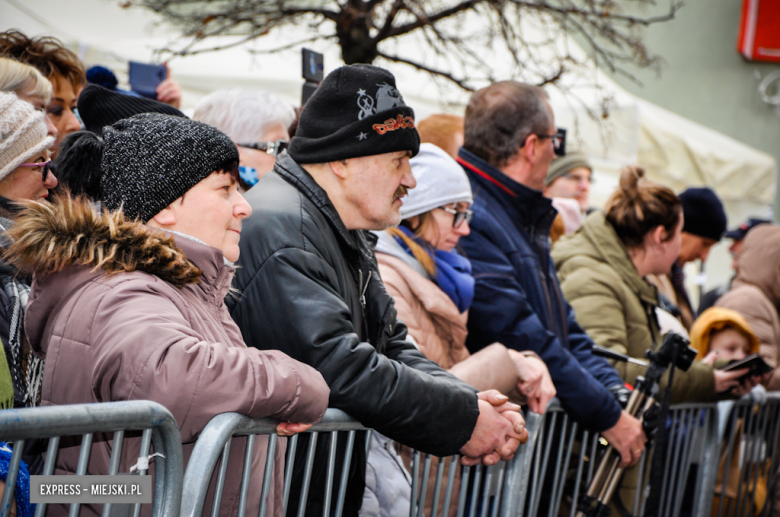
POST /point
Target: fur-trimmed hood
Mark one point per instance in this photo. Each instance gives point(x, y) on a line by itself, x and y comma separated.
point(49, 237)
point(67, 244)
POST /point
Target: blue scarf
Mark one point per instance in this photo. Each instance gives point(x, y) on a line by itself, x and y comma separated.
point(453, 272)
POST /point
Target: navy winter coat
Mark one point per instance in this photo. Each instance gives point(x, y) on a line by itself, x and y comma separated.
point(518, 300)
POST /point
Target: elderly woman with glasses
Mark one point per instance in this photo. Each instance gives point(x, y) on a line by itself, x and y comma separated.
point(432, 287)
point(432, 284)
point(24, 175)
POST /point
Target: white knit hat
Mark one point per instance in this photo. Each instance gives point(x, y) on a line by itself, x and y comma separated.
point(23, 133)
point(440, 181)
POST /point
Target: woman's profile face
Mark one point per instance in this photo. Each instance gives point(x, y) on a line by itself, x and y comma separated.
point(667, 251)
point(441, 235)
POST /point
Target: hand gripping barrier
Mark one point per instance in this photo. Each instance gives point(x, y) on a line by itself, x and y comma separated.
point(158, 426)
point(496, 490)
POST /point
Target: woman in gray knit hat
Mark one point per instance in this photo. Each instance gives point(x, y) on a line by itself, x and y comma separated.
point(24, 175)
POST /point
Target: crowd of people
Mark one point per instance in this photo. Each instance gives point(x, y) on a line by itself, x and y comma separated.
point(427, 277)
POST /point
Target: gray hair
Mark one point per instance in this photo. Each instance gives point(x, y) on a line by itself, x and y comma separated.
point(14, 76)
point(243, 115)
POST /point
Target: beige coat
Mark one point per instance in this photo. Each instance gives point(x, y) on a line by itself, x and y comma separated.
point(755, 293)
point(439, 329)
point(149, 323)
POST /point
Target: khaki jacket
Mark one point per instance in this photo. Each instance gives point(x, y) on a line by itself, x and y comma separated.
point(149, 323)
point(616, 307)
point(755, 293)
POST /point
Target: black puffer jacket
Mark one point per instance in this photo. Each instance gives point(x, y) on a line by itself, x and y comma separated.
point(311, 288)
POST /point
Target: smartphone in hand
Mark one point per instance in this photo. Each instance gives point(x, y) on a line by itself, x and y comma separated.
point(145, 77)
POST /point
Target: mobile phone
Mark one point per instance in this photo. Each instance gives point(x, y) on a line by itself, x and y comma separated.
point(754, 363)
point(145, 77)
point(313, 68)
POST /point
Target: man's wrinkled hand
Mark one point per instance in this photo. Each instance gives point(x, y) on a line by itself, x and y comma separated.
point(628, 438)
point(499, 431)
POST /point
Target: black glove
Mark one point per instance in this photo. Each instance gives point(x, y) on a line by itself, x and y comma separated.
point(621, 394)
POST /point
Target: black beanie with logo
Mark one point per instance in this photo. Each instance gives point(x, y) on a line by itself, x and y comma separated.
point(356, 111)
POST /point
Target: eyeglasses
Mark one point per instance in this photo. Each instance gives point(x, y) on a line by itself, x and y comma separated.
point(578, 178)
point(272, 148)
point(558, 141)
point(461, 216)
point(44, 166)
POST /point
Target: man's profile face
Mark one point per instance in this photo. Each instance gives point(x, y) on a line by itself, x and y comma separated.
point(375, 186)
point(574, 184)
point(695, 247)
point(545, 152)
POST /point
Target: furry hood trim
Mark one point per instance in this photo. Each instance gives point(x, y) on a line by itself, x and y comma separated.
point(51, 236)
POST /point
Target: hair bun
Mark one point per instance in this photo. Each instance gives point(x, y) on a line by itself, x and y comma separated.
point(629, 179)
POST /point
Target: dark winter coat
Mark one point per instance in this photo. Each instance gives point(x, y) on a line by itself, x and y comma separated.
point(311, 288)
point(518, 301)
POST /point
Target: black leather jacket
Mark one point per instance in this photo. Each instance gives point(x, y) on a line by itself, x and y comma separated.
point(311, 288)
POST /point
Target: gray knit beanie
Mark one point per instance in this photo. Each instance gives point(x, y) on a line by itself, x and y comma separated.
point(151, 160)
point(564, 164)
point(23, 133)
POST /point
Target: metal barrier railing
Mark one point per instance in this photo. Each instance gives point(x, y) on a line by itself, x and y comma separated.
point(718, 461)
point(495, 491)
point(704, 443)
point(748, 460)
point(55, 422)
point(214, 445)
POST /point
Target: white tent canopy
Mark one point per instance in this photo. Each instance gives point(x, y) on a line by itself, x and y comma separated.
point(674, 150)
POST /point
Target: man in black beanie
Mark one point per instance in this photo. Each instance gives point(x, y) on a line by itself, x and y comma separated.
point(704, 226)
point(310, 286)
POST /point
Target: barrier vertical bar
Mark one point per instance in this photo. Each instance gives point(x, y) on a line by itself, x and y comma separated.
point(557, 501)
point(578, 479)
point(415, 483)
point(307, 474)
point(424, 486)
point(454, 463)
point(48, 469)
point(734, 418)
point(250, 451)
point(113, 467)
point(221, 478)
point(13, 472)
point(268, 474)
point(81, 469)
point(437, 487)
point(329, 474)
point(345, 474)
point(292, 445)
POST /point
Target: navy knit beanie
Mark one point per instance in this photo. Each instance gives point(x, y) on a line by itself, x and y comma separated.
point(704, 213)
point(356, 111)
point(151, 160)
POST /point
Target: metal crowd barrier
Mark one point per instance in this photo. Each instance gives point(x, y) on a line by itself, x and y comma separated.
point(721, 460)
point(494, 491)
point(52, 423)
point(705, 445)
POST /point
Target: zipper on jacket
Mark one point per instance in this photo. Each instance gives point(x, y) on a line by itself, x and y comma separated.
point(363, 288)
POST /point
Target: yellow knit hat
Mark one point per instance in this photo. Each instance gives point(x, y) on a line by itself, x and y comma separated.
point(718, 318)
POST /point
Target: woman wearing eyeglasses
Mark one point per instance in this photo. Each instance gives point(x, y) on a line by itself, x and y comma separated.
point(24, 175)
point(432, 287)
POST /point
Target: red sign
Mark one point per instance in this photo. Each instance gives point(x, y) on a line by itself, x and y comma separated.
point(759, 31)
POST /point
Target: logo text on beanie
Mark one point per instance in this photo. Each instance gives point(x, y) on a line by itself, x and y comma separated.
point(400, 122)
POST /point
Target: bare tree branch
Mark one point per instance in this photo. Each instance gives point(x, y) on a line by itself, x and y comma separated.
point(529, 36)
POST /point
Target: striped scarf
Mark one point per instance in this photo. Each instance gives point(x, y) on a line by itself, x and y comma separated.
point(25, 366)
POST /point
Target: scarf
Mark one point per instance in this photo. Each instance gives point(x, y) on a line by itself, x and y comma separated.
point(453, 272)
point(25, 366)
